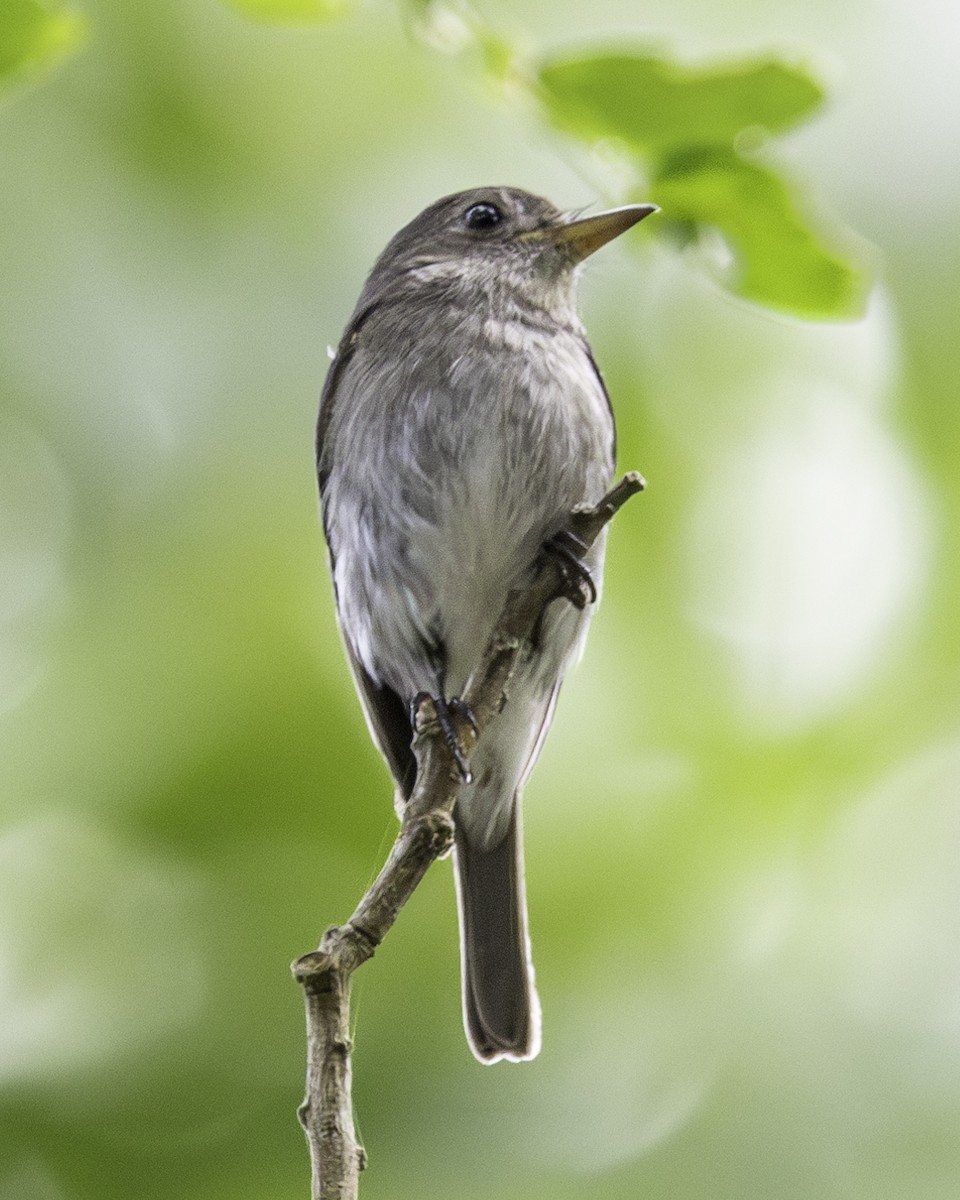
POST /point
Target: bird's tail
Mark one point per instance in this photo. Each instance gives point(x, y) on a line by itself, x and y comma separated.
point(501, 1011)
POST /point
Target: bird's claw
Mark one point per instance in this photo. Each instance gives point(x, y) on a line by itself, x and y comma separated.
point(457, 705)
point(444, 710)
point(576, 580)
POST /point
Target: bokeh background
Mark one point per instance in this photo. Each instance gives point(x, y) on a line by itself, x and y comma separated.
point(743, 838)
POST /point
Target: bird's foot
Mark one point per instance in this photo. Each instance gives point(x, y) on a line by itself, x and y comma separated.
point(456, 705)
point(445, 710)
point(576, 584)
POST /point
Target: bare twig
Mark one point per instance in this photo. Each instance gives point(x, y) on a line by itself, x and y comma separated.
point(426, 833)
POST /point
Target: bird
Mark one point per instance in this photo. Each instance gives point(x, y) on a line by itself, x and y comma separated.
point(462, 420)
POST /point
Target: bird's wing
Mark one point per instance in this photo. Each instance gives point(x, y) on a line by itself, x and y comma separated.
point(388, 719)
point(328, 395)
point(387, 714)
point(606, 396)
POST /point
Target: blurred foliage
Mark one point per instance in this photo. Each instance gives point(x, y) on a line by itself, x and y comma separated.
point(291, 10)
point(777, 260)
point(35, 37)
point(687, 126)
point(657, 106)
point(741, 839)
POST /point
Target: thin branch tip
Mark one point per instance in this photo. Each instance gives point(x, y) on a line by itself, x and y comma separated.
point(631, 483)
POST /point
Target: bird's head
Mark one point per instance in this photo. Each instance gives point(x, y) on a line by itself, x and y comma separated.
point(498, 240)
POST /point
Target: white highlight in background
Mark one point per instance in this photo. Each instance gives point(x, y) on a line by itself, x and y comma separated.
point(98, 955)
point(809, 546)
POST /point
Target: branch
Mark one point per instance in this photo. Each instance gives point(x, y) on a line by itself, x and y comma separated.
point(426, 833)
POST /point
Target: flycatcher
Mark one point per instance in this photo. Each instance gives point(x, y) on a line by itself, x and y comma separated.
point(462, 420)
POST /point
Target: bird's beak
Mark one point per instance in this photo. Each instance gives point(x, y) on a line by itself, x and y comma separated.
point(580, 237)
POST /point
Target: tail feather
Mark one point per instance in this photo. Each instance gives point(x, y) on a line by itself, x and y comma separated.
point(501, 1011)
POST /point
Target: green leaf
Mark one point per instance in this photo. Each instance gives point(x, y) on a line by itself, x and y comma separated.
point(778, 259)
point(34, 39)
point(654, 104)
point(291, 10)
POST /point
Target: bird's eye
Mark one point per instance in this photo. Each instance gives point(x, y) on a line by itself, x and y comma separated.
point(482, 216)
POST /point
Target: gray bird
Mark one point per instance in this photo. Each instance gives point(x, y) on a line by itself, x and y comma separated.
point(463, 418)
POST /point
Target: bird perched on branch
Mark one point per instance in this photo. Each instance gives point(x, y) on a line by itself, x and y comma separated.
point(462, 420)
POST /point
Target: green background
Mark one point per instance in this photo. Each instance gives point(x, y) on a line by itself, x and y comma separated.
point(743, 838)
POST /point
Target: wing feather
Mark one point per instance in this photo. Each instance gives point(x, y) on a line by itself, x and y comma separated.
point(387, 714)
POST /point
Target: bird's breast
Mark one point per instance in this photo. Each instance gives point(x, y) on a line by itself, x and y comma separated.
point(455, 458)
